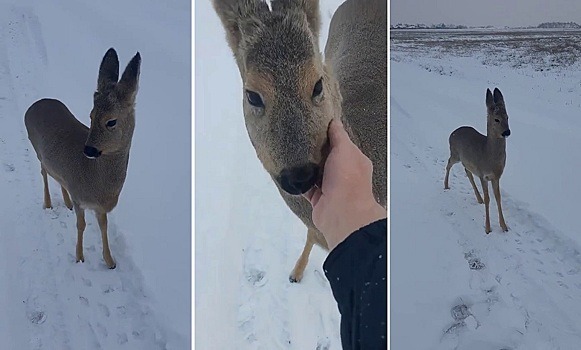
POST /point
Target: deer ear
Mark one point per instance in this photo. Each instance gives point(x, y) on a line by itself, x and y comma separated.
point(239, 17)
point(498, 99)
point(109, 70)
point(489, 99)
point(128, 85)
point(309, 7)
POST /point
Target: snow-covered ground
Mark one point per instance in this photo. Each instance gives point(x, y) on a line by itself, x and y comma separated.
point(247, 240)
point(47, 301)
point(453, 286)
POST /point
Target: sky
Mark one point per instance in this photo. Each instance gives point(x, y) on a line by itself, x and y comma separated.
point(488, 12)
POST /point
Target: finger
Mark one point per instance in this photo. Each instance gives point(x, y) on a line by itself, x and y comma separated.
point(313, 195)
point(316, 196)
point(337, 133)
point(309, 194)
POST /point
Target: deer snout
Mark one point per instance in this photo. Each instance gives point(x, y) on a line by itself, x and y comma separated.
point(91, 152)
point(506, 133)
point(299, 180)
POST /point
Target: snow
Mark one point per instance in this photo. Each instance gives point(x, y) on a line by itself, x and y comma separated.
point(47, 300)
point(453, 286)
point(247, 240)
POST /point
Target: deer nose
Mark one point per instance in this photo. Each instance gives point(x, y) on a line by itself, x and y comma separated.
point(91, 152)
point(299, 180)
point(506, 133)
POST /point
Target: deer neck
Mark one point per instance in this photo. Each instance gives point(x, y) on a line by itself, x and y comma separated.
point(113, 169)
point(496, 148)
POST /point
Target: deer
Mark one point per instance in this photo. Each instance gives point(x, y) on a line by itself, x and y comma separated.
point(291, 93)
point(90, 164)
point(483, 156)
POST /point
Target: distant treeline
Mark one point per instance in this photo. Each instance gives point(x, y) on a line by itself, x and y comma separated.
point(562, 25)
point(546, 25)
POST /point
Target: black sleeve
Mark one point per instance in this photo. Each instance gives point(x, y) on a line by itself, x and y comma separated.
point(357, 272)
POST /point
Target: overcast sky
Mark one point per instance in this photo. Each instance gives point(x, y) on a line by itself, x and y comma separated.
point(485, 12)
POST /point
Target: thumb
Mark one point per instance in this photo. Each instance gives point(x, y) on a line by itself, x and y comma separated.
point(337, 134)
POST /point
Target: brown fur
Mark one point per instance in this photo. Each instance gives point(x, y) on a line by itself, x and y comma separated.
point(290, 131)
point(483, 156)
point(59, 139)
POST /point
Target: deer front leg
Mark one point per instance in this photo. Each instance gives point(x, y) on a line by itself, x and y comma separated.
point(102, 219)
point(496, 189)
point(486, 203)
point(297, 273)
point(66, 198)
point(471, 178)
point(47, 202)
point(81, 224)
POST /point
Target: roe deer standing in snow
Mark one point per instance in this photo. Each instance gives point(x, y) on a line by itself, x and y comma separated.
point(291, 94)
point(90, 164)
point(483, 156)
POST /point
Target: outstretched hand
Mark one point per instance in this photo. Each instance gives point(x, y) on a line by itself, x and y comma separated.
point(344, 203)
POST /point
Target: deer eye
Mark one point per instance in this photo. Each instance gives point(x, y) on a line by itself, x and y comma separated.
point(254, 99)
point(496, 120)
point(111, 123)
point(318, 89)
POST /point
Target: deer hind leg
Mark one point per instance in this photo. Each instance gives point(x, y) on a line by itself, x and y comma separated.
point(471, 178)
point(66, 198)
point(496, 189)
point(81, 224)
point(102, 219)
point(47, 202)
point(451, 161)
point(297, 273)
point(486, 203)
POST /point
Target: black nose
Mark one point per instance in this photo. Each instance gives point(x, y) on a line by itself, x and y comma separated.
point(91, 152)
point(506, 133)
point(299, 180)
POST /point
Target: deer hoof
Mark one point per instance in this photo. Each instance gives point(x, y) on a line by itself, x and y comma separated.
point(111, 264)
point(295, 278)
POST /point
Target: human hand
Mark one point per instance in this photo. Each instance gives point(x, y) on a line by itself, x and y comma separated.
point(345, 201)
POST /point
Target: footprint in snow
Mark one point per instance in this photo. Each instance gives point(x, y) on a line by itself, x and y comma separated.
point(323, 344)
point(476, 264)
point(102, 330)
point(87, 282)
point(37, 317)
point(122, 338)
point(9, 167)
point(256, 277)
point(460, 312)
point(473, 262)
point(104, 309)
point(321, 278)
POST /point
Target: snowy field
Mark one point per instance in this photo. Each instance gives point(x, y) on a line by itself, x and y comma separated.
point(53, 49)
point(247, 240)
point(453, 286)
